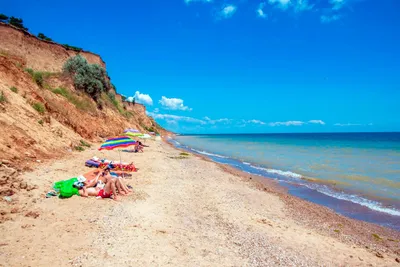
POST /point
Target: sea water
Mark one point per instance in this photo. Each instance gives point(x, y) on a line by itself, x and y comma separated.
point(356, 174)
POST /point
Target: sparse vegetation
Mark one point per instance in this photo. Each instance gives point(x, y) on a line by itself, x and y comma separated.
point(85, 144)
point(39, 107)
point(77, 49)
point(30, 71)
point(2, 97)
point(336, 231)
point(17, 22)
point(90, 78)
point(79, 148)
point(44, 37)
point(80, 104)
point(14, 89)
point(184, 154)
point(377, 237)
point(3, 18)
point(38, 78)
point(40, 122)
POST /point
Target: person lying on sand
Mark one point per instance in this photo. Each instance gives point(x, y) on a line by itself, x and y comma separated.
point(97, 177)
point(109, 191)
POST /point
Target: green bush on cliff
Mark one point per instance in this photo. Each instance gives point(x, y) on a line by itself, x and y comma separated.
point(77, 49)
point(44, 37)
point(38, 78)
point(90, 78)
point(39, 107)
point(3, 18)
point(17, 22)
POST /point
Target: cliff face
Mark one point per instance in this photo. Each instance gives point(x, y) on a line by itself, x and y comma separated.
point(36, 121)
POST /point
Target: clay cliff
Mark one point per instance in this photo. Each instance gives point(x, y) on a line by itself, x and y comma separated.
point(50, 118)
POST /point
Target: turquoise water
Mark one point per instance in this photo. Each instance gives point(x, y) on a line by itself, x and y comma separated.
point(361, 168)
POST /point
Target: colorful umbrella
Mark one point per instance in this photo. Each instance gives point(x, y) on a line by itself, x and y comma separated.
point(133, 134)
point(118, 142)
point(121, 141)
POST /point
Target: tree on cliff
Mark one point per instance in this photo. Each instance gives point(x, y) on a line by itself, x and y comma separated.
point(3, 18)
point(90, 78)
point(17, 22)
point(43, 37)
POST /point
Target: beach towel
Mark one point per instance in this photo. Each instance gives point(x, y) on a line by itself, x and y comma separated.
point(116, 166)
point(66, 188)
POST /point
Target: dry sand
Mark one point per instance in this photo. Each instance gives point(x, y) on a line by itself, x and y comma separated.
point(184, 211)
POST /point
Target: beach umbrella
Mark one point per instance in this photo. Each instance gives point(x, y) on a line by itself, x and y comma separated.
point(145, 136)
point(131, 134)
point(118, 142)
point(131, 130)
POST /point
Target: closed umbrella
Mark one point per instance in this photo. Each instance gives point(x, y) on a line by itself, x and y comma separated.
point(131, 130)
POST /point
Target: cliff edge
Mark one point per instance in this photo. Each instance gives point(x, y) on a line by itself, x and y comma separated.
point(45, 118)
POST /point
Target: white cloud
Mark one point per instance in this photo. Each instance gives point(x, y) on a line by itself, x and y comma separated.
point(141, 99)
point(224, 120)
point(282, 4)
point(337, 4)
point(227, 11)
point(286, 123)
point(173, 103)
point(170, 118)
point(352, 124)
point(256, 122)
point(316, 122)
point(204, 1)
point(302, 5)
point(129, 99)
point(260, 11)
point(156, 110)
point(327, 19)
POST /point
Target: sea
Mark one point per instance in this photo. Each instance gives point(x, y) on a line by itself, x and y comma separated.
point(355, 174)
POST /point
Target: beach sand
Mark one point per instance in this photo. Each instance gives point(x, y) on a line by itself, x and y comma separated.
point(184, 211)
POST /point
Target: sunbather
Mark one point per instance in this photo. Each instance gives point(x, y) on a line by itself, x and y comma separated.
point(109, 191)
point(103, 176)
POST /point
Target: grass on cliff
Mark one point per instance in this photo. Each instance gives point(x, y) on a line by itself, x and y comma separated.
point(14, 89)
point(39, 107)
point(3, 98)
point(39, 76)
point(81, 104)
point(111, 99)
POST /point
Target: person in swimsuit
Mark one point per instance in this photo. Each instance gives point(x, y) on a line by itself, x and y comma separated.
point(98, 177)
point(109, 191)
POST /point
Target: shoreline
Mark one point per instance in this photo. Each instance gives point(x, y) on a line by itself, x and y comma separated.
point(311, 214)
point(347, 202)
point(185, 210)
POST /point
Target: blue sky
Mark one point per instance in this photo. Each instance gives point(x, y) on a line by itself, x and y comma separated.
point(241, 66)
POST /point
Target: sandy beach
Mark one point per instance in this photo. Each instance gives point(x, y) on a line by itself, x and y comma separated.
point(184, 211)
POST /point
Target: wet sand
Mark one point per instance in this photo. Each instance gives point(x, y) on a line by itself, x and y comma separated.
point(184, 211)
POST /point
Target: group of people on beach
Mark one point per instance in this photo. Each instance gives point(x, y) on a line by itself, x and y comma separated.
point(101, 183)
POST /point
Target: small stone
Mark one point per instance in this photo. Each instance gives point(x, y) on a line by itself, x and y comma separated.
point(398, 260)
point(32, 214)
point(7, 198)
point(14, 210)
point(23, 185)
point(4, 161)
point(38, 161)
point(379, 255)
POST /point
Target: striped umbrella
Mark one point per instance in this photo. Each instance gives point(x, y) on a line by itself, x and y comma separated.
point(117, 142)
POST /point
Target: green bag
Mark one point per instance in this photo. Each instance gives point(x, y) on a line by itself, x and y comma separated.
point(66, 188)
